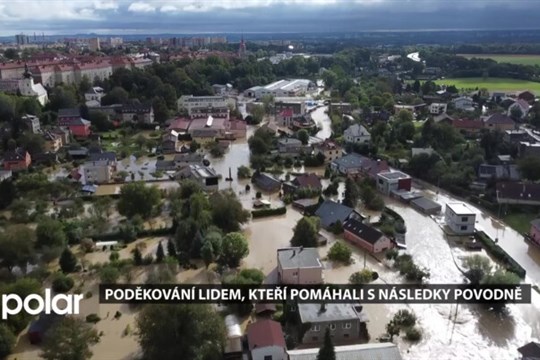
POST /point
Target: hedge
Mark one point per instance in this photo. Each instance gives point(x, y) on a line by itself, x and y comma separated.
point(143, 233)
point(268, 212)
point(498, 253)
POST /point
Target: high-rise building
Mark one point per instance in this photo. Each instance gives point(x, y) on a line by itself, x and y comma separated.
point(116, 41)
point(93, 44)
point(22, 39)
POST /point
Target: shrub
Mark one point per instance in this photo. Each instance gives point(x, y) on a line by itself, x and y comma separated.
point(148, 259)
point(362, 277)
point(413, 334)
point(62, 283)
point(88, 295)
point(93, 318)
point(243, 172)
point(340, 253)
point(268, 212)
point(405, 318)
point(391, 254)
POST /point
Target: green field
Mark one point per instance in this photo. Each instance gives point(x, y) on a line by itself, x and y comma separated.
point(506, 58)
point(492, 84)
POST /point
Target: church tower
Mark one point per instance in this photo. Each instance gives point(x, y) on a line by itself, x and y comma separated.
point(26, 84)
point(242, 48)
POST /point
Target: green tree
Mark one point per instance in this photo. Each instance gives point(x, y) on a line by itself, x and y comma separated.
point(478, 267)
point(137, 257)
point(171, 248)
point(364, 276)
point(100, 121)
point(50, 233)
point(207, 253)
point(116, 96)
point(529, 167)
point(160, 254)
point(71, 338)
point(67, 261)
point(306, 232)
point(340, 252)
point(327, 352)
point(352, 193)
point(243, 172)
point(235, 248)
point(8, 193)
point(138, 199)
point(62, 97)
point(404, 116)
point(194, 330)
point(7, 341)
point(257, 114)
point(501, 277)
point(227, 211)
point(109, 274)
point(303, 136)
point(17, 247)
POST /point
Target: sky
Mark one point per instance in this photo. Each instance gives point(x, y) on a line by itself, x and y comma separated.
point(102, 17)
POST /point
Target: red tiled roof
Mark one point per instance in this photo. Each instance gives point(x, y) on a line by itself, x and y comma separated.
point(237, 125)
point(179, 124)
point(265, 333)
point(499, 119)
point(328, 145)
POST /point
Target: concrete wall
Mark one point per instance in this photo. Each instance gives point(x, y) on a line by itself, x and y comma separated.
point(277, 353)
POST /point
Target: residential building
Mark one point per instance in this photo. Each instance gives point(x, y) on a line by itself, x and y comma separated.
point(237, 129)
point(342, 107)
point(94, 94)
point(204, 130)
point(499, 122)
point(296, 105)
point(357, 165)
point(204, 106)
point(375, 351)
point(32, 123)
point(356, 134)
point(233, 345)
point(529, 149)
point(100, 167)
point(516, 136)
point(17, 160)
point(534, 232)
point(53, 142)
point(391, 181)
point(266, 340)
point(204, 175)
point(329, 149)
point(330, 212)
point(169, 142)
point(499, 172)
point(305, 181)
point(299, 265)
point(187, 158)
point(5, 175)
point(468, 127)
point(365, 236)
point(530, 351)
point(180, 125)
point(437, 108)
point(94, 44)
point(528, 96)
point(518, 193)
point(464, 103)
point(443, 118)
point(521, 105)
point(290, 146)
point(66, 115)
point(345, 321)
point(426, 206)
point(283, 88)
point(266, 182)
point(460, 218)
point(141, 113)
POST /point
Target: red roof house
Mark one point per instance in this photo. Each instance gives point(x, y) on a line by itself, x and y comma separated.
point(266, 340)
point(16, 160)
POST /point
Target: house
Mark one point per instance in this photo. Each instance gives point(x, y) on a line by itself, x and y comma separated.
point(530, 351)
point(80, 128)
point(66, 115)
point(100, 167)
point(207, 129)
point(204, 175)
point(221, 90)
point(329, 149)
point(305, 181)
point(53, 142)
point(5, 175)
point(299, 265)
point(266, 182)
point(389, 181)
point(464, 103)
point(293, 105)
point(518, 193)
point(358, 165)
point(437, 108)
point(17, 160)
point(528, 96)
point(526, 149)
point(499, 122)
point(375, 351)
point(186, 159)
point(94, 94)
point(169, 142)
point(330, 212)
point(233, 345)
point(64, 135)
point(285, 117)
point(342, 107)
point(356, 134)
point(141, 113)
point(32, 123)
point(519, 105)
point(346, 322)
point(365, 236)
point(180, 124)
point(534, 232)
point(516, 136)
point(460, 218)
point(444, 117)
point(499, 172)
point(237, 128)
point(468, 127)
point(426, 206)
point(290, 146)
point(266, 340)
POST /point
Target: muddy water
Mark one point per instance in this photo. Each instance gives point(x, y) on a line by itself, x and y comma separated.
point(323, 122)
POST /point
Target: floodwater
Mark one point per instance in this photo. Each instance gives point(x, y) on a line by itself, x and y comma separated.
point(415, 56)
point(323, 122)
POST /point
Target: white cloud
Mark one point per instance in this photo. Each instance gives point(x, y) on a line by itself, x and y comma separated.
point(141, 7)
point(168, 8)
point(103, 5)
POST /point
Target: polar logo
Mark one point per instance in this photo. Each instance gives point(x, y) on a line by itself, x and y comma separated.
point(35, 304)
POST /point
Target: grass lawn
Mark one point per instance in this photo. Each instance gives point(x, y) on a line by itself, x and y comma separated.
point(492, 84)
point(507, 58)
point(521, 222)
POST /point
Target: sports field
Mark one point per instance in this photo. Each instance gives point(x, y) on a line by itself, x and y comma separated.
point(506, 58)
point(492, 84)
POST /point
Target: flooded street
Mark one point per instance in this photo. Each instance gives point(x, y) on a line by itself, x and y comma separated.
point(320, 117)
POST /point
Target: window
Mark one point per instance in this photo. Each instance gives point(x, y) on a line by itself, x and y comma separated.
point(316, 328)
point(332, 327)
point(268, 357)
point(345, 336)
point(347, 325)
point(465, 218)
point(295, 273)
point(464, 227)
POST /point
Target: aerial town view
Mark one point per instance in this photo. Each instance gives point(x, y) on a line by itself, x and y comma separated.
point(268, 143)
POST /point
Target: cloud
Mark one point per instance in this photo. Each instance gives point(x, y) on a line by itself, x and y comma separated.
point(102, 5)
point(168, 9)
point(141, 7)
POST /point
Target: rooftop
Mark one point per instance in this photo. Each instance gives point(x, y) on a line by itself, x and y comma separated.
point(373, 351)
point(265, 333)
point(425, 203)
point(329, 212)
point(298, 257)
point(313, 313)
point(460, 209)
point(366, 232)
point(394, 175)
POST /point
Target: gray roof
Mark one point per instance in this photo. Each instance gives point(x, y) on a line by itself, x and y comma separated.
point(374, 351)
point(311, 313)
point(350, 161)
point(106, 155)
point(330, 212)
point(298, 257)
point(289, 141)
point(426, 204)
point(69, 112)
point(356, 130)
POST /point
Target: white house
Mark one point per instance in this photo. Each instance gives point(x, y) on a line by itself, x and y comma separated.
point(437, 108)
point(464, 103)
point(357, 134)
point(27, 87)
point(460, 218)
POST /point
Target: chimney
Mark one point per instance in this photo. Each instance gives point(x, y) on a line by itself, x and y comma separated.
point(323, 308)
point(301, 248)
point(293, 253)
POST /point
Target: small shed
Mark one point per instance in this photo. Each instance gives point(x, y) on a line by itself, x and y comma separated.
point(426, 206)
point(234, 335)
